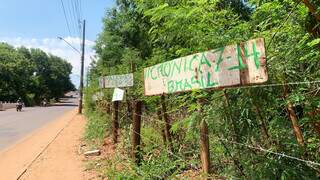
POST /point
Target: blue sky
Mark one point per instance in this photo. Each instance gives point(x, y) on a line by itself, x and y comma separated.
point(38, 23)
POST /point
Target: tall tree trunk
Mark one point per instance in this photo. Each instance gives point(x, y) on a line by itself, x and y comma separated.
point(293, 118)
point(263, 126)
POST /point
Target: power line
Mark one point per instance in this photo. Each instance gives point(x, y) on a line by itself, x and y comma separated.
point(71, 16)
point(75, 18)
point(80, 7)
point(65, 16)
point(77, 14)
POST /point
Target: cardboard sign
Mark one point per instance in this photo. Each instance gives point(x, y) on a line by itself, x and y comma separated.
point(117, 95)
point(124, 80)
point(234, 65)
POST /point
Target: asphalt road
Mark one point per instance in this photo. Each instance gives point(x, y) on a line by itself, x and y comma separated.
point(16, 125)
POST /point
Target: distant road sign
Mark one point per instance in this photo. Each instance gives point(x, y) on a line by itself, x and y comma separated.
point(233, 65)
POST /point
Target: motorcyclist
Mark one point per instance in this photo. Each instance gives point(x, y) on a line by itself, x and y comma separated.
point(19, 104)
point(44, 102)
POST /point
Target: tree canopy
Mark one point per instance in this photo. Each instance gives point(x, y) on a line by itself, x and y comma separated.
point(32, 74)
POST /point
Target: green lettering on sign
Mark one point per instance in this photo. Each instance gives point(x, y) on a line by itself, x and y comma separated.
point(209, 82)
point(240, 60)
point(220, 58)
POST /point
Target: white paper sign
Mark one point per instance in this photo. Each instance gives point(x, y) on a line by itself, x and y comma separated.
point(117, 95)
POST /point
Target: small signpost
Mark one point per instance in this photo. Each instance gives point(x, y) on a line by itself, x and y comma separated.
point(116, 81)
point(233, 65)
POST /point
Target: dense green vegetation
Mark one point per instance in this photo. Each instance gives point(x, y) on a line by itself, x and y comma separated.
point(31, 74)
point(242, 121)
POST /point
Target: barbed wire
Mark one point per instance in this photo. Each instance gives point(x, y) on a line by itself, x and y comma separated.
point(254, 86)
point(252, 147)
point(271, 152)
point(177, 109)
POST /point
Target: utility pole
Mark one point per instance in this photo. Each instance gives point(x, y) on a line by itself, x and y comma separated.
point(82, 66)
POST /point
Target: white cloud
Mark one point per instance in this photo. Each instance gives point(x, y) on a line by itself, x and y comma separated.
point(59, 48)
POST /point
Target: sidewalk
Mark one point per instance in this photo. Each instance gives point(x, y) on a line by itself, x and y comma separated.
point(49, 153)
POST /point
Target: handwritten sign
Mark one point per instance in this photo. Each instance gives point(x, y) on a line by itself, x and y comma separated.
point(124, 80)
point(234, 65)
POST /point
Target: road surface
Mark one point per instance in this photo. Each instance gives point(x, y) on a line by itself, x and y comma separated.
point(16, 125)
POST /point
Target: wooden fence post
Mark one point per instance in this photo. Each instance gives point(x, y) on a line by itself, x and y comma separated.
point(135, 133)
point(129, 108)
point(115, 122)
point(167, 122)
point(204, 142)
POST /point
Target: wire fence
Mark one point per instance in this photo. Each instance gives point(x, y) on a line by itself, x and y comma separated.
point(228, 141)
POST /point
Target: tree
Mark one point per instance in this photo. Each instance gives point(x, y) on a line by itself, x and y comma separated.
point(32, 75)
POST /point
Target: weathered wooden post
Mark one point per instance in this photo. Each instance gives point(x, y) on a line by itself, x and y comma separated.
point(115, 122)
point(116, 81)
point(129, 108)
point(204, 141)
point(167, 122)
point(135, 132)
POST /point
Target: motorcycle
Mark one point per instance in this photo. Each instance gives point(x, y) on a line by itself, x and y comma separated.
point(19, 107)
point(44, 103)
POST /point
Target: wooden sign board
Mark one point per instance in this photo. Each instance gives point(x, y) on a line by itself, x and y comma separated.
point(124, 80)
point(233, 65)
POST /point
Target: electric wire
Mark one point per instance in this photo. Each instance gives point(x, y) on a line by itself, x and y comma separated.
point(65, 16)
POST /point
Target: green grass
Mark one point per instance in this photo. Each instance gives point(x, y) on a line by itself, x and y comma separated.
point(96, 128)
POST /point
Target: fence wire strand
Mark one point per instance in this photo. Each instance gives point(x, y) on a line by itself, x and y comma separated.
point(241, 144)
